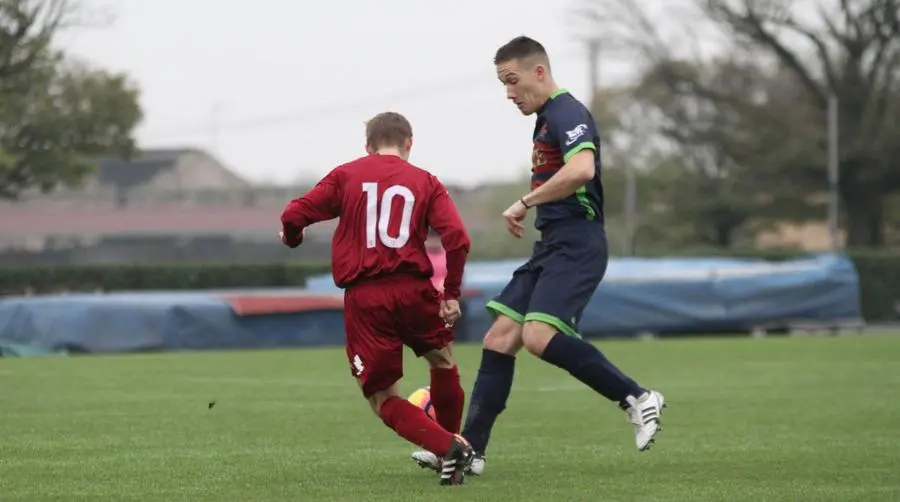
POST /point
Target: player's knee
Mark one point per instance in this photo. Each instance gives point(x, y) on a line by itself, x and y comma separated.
point(375, 402)
point(441, 358)
point(536, 335)
point(505, 336)
point(377, 399)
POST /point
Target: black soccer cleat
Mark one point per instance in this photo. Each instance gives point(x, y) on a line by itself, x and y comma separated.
point(456, 461)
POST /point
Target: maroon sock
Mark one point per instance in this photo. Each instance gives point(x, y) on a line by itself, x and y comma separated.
point(413, 425)
point(447, 397)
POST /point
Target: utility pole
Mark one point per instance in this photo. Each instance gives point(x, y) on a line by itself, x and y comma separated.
point(630, 206)
point(630, 210)
point(593, 66)
point(833, 174)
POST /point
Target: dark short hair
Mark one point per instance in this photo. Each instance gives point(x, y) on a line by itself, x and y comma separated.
point(388, 129)
point(520, 48)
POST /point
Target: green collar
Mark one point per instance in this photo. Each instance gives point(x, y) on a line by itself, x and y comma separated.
point(558, 92)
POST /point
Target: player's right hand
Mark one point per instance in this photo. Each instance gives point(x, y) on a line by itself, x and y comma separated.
point(292, 241)
point(450, 312)
point(514, 216)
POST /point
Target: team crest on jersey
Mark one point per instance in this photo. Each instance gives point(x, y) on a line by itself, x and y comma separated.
point(537, 158)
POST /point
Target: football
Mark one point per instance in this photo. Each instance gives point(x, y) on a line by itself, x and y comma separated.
point(422, 399)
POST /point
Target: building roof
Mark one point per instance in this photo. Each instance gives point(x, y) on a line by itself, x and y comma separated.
point(145, 165)
point(138, 170)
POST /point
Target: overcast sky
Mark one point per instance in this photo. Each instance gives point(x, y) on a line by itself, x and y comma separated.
point(278, 90)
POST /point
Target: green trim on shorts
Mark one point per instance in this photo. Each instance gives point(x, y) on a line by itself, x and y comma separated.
point(554, 321)
point(498, 308)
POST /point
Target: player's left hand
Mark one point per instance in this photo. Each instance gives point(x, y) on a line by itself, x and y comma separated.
point(514, 216)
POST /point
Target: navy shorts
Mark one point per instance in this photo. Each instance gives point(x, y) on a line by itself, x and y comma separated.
point(555, 285)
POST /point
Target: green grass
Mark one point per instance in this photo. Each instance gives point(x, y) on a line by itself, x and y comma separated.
point(793, 419)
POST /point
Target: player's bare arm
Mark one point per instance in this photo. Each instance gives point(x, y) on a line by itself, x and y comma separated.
point(573, 175)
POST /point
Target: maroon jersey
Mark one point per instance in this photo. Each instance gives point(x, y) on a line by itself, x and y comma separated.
point(386, 207)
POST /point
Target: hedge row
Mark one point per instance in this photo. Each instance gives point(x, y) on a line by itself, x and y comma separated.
point(879, 278)
point(49, 279)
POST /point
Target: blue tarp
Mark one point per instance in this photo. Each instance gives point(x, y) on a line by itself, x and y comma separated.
point(700, 294)
point(687, 294)
point(637, 295)
point(155, 322)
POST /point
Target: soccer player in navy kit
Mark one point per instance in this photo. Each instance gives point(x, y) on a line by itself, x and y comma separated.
point(540, 307)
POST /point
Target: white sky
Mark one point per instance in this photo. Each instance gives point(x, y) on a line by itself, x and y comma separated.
point(289, 83)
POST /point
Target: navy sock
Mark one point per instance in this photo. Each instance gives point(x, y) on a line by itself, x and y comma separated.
point(586, 363)
point(488, 398)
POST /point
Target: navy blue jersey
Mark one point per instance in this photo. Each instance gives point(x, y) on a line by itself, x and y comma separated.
point(565, 127)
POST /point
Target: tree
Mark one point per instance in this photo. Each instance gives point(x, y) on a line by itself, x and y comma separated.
point(781, 69)
point(691, 193)
point(56, 114)
point(731, 179)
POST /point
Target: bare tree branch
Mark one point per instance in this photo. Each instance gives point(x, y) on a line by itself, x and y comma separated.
point(832, 28)
point(821, 49)
point(885, 31)
point(851, 21)
point(625, 25)
point(752, 24)
point(26, 29)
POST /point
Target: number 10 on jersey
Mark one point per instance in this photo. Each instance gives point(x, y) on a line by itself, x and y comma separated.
point(378, 217)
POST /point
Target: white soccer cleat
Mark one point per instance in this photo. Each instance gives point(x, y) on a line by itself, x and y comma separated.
point(476, 468)
point(645, 413)
point(428, 460)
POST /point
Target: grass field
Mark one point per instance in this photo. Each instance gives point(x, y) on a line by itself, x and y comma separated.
point(793, 419)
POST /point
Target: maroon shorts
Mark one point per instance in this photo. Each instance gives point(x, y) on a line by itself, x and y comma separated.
point(383, 315)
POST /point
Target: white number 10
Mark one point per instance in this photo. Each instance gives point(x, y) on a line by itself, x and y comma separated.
point(377, 221)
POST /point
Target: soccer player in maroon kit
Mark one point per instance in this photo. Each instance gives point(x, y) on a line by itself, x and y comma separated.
point(386, 206)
